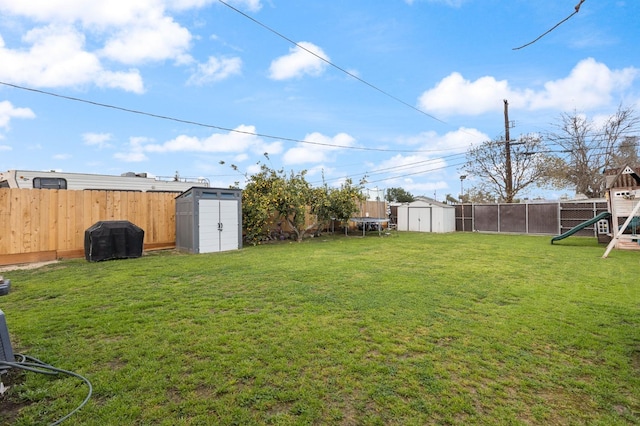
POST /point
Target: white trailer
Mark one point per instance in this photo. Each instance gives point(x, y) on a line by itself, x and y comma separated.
point(83, 181)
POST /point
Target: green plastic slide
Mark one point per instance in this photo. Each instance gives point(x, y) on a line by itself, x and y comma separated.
point(570, 232)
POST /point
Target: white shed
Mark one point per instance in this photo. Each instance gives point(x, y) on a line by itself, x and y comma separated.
point(426, 215)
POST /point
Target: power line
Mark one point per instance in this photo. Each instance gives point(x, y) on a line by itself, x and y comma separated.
point(416, 173)
point(399, 168)
point(414, 164)
point(577, 9)
point(452, 156)
point(384, 92)
point(210, 126)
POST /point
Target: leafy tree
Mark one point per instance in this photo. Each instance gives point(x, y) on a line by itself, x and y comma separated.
point(530, 166)
point(275, 195)
point(478, 196)
point(271, 197)
point(337, 203)
point(398, 195)
point(345, 200)
point(590, 147)
point(257, 204)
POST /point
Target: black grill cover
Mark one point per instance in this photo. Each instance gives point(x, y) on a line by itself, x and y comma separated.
point(114, 239)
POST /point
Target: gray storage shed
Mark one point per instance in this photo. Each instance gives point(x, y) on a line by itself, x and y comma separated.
point(209, 220)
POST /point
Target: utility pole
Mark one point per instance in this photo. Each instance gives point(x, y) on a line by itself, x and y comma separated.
point(507, 147)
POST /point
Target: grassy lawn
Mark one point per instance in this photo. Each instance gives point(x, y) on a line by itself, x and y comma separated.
point(408, 330)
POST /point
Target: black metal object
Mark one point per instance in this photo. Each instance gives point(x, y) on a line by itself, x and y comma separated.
point(5, 286)
point(6, 351)
point(115, 239)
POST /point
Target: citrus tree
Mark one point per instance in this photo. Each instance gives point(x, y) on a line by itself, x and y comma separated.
point(273, 197)
point(332, 203)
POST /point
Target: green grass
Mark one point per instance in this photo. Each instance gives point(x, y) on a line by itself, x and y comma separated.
point(408, 330)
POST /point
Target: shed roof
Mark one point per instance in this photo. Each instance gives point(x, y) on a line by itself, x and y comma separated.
point(426, 201)
point(198, 192)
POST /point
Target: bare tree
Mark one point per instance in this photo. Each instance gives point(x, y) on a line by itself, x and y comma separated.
point(590, 148)
point(530, 165)
point(627, 152)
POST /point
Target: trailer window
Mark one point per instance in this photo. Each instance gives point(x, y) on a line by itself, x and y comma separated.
point(49, 183)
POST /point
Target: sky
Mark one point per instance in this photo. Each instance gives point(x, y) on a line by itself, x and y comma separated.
point(393, 91)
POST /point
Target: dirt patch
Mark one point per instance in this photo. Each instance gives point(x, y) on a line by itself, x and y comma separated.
point(34, 265)
point(10, 406)
point(635, 359)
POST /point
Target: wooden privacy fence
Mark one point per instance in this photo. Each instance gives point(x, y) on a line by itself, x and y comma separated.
point(373, 209)
point(47, 224)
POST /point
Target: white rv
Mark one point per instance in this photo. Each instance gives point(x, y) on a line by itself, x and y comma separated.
point(125, 182)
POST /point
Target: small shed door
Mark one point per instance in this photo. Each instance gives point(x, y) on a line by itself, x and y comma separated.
point(420, 219)
point(208, 219)
point(218, 225)
point(229, 225)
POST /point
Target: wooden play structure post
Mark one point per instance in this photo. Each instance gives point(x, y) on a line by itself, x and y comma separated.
point(623, 199)
point(617, 233)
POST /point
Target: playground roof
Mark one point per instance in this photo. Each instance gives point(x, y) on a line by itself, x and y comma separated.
point(623, 177)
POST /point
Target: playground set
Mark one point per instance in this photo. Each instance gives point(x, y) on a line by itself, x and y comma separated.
point(620, 225)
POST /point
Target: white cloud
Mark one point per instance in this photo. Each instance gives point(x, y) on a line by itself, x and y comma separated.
point(54, 51)
point(88, 13)
point(299, 62)
point(253, 169)
point(589, 85)
point(241, 140)
point(135, 153)
point(458, 140)
point(456, 95)
point(250, 5)
point(106, 14)
point(130, 32)
point(57, 58)
point(8, 111)
point(130, 81)
point(418, 173)
point(61, 156)
point(312, 153)
point(155, 39)
point(80, 42)
point(130, 157)
point(215, 70)
point(428, 188)
point(101, 140)
point(425, 172)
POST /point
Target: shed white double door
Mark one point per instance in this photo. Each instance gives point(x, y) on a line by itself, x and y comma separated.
point(419, 219)
point(218, 225)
